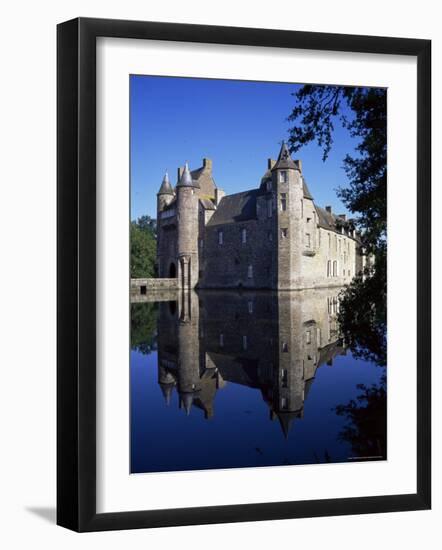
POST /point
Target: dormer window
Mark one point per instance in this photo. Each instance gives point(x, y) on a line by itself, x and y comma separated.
point(283, 176)
point(269, 185)
point(220, 237)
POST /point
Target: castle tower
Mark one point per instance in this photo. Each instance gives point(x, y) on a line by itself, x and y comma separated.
point(287, 221)
point(188, 350)
point(289, 370)
point(165, 196)
point(187, 228)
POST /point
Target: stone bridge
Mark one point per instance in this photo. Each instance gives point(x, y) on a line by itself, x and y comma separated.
point(153, 290)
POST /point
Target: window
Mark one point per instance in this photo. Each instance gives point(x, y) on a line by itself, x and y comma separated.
point(250, 306)
point(335, 268)
point(270, 236)
point(329, 267)
point(220, 237)
point(283, 403)
point(285, 347)
point(284, 378)
point(329, 241)
point(318, 337)
point(250, 271)
point(201, 244)
point(221, 340)
point(283, 202)
point(269, 208)
point(269, 186)
point(307, 240)
point(283, 176)
point(243, 236)
point(143, 289)
point(308, 337)
point(283, 233)
point(244, 343)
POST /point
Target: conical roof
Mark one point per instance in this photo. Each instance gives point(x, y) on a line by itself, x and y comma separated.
point(186, 178)
point(166, 187)
point(285, 161)
point(286, 420)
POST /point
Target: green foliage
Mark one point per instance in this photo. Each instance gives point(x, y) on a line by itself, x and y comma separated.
point(363, 112)
point(143, 247)
point(143, 334)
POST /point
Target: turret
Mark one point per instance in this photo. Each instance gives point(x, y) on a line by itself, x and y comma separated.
point(188, 350)
point(288, 195)
point(187, 229)
point(165, 194)
point(288, 389)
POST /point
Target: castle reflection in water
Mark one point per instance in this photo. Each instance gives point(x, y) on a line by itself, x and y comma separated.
point(273, 342)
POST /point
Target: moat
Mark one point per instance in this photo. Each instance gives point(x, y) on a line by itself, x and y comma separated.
point(245, 379)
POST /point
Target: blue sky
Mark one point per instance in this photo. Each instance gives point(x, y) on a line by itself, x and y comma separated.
point(238, 124)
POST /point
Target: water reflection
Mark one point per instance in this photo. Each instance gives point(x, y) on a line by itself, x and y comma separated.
point(273, 342)
point(270, 343)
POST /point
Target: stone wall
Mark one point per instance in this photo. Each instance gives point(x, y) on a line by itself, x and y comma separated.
point(141, 288)
point(226, 265)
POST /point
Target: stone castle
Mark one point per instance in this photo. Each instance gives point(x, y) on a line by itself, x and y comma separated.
point(271, 237)
point(273, 342)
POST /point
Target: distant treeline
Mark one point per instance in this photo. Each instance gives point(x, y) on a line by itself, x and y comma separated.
point(143, 247)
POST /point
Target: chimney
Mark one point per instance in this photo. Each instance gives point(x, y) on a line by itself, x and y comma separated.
point(329, 210)
point(270, 163)
point(180, 172)
point(207, 163)
point(343, 217)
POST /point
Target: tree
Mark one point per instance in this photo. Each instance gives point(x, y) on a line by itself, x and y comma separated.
point(144, 327)
point(317, 110)
point(363, 112)
point(142, 247)
point(366, 416)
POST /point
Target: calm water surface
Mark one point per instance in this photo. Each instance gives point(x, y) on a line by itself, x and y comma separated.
point(227, 380)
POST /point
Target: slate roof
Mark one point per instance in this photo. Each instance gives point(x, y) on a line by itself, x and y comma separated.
point(236, 208)
point(166, 187)
point(285, 161)
point(207, 204)
point(330, 221)
point(187, 179)
point(327, 220)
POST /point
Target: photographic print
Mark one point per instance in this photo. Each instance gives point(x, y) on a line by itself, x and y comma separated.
point(258, 274)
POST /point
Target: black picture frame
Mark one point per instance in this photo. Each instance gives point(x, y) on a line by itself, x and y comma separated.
point(76, 274)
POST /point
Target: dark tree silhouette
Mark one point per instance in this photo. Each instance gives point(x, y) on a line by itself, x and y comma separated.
point(366, 427)
point(317, 110)
point(363, 112)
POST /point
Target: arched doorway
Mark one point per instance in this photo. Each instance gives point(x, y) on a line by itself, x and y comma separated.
point(172, 271)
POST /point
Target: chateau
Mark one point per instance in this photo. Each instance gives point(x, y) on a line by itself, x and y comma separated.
point(270, 237)
point(273, 342)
